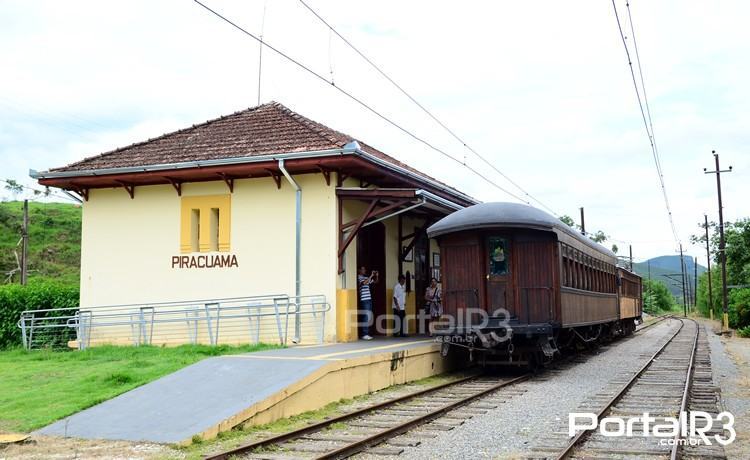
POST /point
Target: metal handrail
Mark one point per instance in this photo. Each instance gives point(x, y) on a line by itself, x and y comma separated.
point(206, 315)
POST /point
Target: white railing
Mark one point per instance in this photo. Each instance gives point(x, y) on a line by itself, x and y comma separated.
point(212, 321)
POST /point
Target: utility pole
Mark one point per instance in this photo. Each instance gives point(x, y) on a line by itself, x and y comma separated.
point(25, 244)
point(695, 283)
point(722, 244)
point(684, 284)
point(631, 256)
point(583, 223)
point(708, 260)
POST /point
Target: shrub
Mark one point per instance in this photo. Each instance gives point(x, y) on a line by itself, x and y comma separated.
point(739, 308)
point(744, 332)
point(15, 298)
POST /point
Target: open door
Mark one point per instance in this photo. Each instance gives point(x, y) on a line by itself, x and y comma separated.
point(499, 284)
point(371, 254)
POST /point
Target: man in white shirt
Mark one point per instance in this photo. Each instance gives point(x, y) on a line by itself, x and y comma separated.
point(399, 306)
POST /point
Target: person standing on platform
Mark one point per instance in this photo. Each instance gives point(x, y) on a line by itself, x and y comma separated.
point(433, 296)
point(365, 299)
point(399, 307)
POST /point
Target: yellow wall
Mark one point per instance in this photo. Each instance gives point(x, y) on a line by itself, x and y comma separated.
point(127, 244)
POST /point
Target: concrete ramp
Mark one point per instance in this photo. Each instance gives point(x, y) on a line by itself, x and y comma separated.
point(219, 393)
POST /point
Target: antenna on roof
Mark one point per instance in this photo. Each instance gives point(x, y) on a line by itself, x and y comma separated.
point(260, 50)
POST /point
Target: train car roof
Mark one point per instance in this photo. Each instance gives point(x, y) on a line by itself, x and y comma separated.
point(503, 214)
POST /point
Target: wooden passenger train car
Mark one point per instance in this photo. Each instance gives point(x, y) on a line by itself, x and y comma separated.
point(519, 285)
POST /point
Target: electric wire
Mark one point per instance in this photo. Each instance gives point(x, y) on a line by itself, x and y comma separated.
point(649, 131)
point(422, 107)
point(360, 102)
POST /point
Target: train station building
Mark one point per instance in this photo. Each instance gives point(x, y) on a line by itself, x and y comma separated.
point(261, 202)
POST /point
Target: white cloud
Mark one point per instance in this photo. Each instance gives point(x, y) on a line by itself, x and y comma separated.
point(540, 88)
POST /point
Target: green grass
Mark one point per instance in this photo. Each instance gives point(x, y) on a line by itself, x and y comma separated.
point(54, 239)
point(40, 386)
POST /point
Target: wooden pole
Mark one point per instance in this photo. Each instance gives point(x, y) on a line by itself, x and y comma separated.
point(684, 283)
point(722, 245)
point(710, 301)
point(25, 247)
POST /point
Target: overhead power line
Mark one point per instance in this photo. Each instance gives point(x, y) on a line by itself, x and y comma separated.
point(422, 107)
point(648, 125)
point(360, 102)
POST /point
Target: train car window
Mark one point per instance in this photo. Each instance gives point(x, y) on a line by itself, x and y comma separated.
point(499, 255)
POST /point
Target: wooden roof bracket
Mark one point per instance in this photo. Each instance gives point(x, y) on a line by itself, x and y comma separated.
point(379, 212)
point(420, 233)
point(345, 242)
point(176, 184)
point(130, 188)
point(326, 174)
point(340, 178)
point(229, 181)
point(276, 177)
point(84, 192)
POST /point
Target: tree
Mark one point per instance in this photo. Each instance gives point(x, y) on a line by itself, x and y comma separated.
point(657, 298)
point(737, 239)
point(615, 248)
point(599, 236)
point(567, 220)
point(13, 187)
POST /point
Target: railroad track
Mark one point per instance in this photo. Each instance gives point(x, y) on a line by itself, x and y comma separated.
point(658, 320)
point(390, 425)
point(676, 378)
point(451, 403)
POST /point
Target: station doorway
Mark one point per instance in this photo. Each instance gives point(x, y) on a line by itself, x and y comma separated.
point(371, 254)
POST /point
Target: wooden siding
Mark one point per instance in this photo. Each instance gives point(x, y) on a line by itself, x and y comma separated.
point(462, 273)
point(582, 307)
point(631, 294)
point(535, 270)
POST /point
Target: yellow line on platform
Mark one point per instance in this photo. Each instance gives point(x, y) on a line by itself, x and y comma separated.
point(364, 350)
point(293, 358)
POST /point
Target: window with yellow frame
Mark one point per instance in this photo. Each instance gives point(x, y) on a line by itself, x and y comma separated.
point(204, 223)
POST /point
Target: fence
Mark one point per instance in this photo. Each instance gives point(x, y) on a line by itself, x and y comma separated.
point(213, 321)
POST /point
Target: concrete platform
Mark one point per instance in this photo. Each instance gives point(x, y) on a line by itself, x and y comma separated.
point(219, 393)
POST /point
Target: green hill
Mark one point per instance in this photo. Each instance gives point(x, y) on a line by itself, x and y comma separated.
point(668, 265)
point(54, 240)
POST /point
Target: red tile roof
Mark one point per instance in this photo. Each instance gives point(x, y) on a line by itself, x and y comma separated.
point(266, 129)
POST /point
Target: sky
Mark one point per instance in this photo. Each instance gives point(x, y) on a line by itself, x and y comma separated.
point(541, 89)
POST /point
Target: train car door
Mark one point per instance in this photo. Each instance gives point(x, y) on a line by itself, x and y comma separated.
point(499, 282)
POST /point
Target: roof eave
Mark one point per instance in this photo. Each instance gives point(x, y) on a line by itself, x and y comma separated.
point(400, 170)
point(188, 164)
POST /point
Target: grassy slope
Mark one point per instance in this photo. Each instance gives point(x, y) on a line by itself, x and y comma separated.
point(54, 238)
point(39, 387)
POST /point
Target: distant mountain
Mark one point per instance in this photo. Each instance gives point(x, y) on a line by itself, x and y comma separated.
point(662, 266)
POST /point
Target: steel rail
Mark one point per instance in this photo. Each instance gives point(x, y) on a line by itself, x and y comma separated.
point(328, 422)
point(658, 320)
point(686, 392)
point(578, 438)
point(358, 446)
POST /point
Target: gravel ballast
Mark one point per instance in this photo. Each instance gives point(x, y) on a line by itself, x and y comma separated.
point(538, 416)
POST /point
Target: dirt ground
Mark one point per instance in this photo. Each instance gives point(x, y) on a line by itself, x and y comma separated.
point(730, 360)
point(51, 448)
